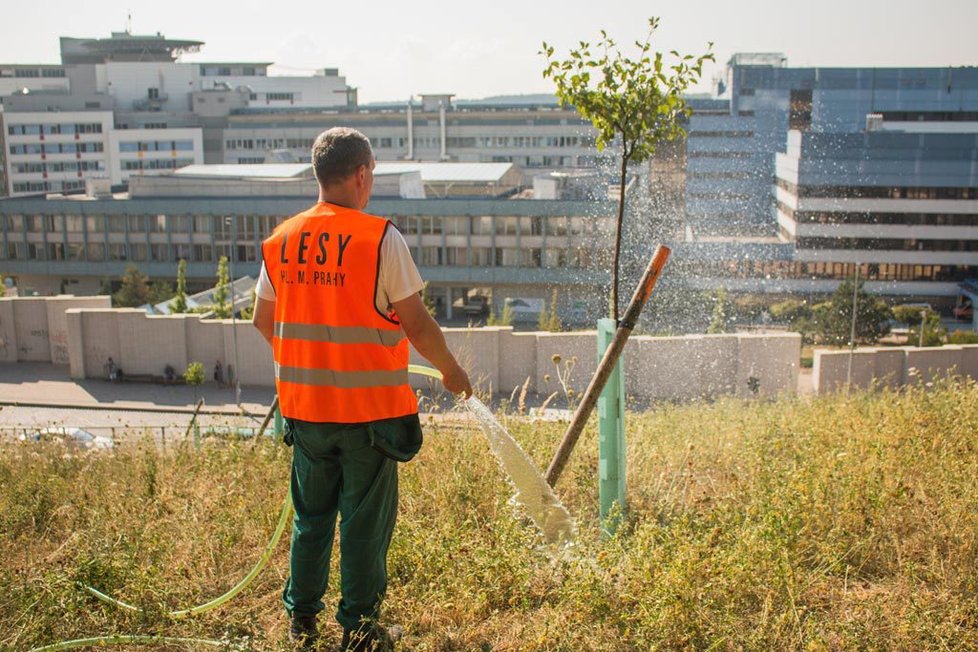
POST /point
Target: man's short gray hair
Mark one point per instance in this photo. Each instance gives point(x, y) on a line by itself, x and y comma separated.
point(338, 152)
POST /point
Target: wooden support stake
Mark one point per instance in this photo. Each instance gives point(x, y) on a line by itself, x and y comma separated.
point(590, 398)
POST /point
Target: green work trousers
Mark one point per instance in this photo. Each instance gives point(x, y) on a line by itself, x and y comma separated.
point(335, 470)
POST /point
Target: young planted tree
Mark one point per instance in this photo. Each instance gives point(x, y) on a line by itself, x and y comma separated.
point(635, 102)
point(222, 307)
point(179, 303)
point(134, 291)
point(194, 376)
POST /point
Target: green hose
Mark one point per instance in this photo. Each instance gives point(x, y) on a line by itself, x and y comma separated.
point(120, 639)
point(422, 370)
point(266, 555)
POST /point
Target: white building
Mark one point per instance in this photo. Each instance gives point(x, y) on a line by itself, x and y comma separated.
point(55, 151)
point(153, 112)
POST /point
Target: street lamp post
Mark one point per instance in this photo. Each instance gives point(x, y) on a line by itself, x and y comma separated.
point(923, 316)
point(852, 328)
point(234, 328)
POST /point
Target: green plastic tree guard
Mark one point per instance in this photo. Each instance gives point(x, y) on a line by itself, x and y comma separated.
point(279, 423)
point(611, 436)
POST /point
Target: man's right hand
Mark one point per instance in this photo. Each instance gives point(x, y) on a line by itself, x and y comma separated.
point(457, 382)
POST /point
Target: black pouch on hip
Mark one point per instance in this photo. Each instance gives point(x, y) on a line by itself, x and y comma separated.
point(399, 439)
point(288, 432)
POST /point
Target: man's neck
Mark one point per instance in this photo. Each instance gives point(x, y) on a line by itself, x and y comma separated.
point(346, 200)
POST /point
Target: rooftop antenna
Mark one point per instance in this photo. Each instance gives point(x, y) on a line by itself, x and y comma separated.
point(129, 23)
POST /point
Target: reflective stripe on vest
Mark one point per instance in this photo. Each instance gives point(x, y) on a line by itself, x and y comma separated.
point(338, 334)
point(343, 379)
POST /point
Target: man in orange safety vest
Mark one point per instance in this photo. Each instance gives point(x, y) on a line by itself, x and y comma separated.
point(339, 299)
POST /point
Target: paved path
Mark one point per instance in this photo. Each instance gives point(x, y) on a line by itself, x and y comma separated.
point(38, 395)
point(47, 385)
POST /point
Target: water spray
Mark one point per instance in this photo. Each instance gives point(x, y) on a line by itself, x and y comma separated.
point(532, 490)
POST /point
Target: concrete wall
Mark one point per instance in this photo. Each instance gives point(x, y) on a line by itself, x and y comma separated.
point(656, 368)
point(892, 367)
point(31, 324)
point(8, 332)
point(34, 329)
point(58, 324)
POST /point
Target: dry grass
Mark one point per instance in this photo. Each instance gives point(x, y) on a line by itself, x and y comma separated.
point(833, 524)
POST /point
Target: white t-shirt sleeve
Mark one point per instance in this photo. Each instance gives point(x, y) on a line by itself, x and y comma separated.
point(399, 276)
point(264, 290)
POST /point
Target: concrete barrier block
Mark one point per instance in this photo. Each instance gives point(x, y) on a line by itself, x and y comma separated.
point(477, 350)
point(889, 369)
point(100, 335)
point(769, 361)
point(969, 361)
point(831, 369)
point(8, 331)
point(828, 372)
point(76, 343)
point(716, 359)
point(149, 344)
point(245, 354)
point(666, 369)
point(929, 364)
point(205, 341)
point(517, 359)
point(31, 325)
point(57, 321)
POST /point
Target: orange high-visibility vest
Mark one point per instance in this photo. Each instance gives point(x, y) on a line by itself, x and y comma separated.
point(337, 357)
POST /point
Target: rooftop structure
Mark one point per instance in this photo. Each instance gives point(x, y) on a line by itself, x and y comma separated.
point(125, 46)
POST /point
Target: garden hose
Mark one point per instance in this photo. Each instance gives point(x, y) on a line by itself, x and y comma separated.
point(121, 639)
point(266, 555)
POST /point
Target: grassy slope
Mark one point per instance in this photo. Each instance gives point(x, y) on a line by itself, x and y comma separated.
point(831, 524)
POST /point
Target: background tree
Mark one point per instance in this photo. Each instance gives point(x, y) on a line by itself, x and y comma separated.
point(221, 307)
point(798, 315)
point(160, 292)
point(248, 312)
point(3, 288)
point(179, 303)
point(637, 102)
point(553, 323)
point(917, 316)
point(429, 303)
point(505, 317)
point(833, 319)
point(134, 291)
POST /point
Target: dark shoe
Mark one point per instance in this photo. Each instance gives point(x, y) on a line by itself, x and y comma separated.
point(370, 638)
point(303, 631)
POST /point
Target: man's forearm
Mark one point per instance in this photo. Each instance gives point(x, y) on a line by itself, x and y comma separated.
point(430, 343)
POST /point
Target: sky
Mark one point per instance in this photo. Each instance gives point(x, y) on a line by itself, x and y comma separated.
point(391, 50)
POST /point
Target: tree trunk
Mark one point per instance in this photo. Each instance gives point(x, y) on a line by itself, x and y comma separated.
point(618, 225)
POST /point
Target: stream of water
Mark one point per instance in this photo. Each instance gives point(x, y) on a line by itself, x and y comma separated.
point(532, 490)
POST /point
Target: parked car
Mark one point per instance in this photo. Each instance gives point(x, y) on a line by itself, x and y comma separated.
point(964, 311)
point(73, 437)
point(476, 305)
